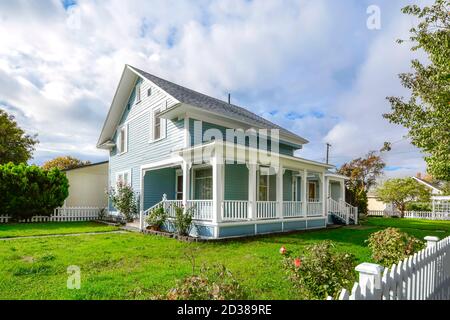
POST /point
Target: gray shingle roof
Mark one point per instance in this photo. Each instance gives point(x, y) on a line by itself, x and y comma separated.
point(208, 103)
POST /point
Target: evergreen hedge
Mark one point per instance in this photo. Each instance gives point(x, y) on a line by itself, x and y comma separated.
point(26, 191)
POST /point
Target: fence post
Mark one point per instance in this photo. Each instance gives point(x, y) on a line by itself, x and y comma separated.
point(431, 241)
point(370, 272)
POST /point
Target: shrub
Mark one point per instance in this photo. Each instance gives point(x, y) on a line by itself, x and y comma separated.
point(124, 200)
point(390, 246)
point(216, 283)
point(183, 220)
point(418, 206)
point(321, 271)
point(26, 191)
point(156, 217)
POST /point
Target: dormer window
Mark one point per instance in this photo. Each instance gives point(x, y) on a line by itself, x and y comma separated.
point(138, 93)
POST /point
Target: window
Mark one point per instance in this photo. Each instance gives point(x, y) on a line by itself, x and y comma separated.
point(149, 92)
point(123, 177)
point(203, 184)
point(138, 93)
point(157, 126)
point(263, 185)
point(179, 183)
point(123, 140)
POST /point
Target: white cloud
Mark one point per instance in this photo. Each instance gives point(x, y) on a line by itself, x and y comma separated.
point(312, 59)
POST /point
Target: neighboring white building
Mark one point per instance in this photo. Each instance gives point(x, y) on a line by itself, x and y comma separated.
point(435, 189)
point(87, 185)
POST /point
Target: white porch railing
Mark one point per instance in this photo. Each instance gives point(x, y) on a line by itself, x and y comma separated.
point(422, 276)
point(234, 210)
point(427, 215)
point(203, 209)
point(292, 209)
point(62, 214)
point(266, 209)
point(314, 208)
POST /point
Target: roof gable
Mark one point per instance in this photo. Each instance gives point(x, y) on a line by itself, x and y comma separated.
point(182, 95)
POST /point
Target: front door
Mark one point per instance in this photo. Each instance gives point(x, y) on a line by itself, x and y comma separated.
point(179, 191)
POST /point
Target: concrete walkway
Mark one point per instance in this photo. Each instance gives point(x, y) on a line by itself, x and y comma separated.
point(63, 235)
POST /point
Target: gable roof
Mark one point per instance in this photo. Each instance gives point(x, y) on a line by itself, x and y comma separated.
point(428, 184)
point(185, 96)
point(194, 98)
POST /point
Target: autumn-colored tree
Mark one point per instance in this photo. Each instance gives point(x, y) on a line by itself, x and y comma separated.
point(363, 172)
point(15, 145)
point(64, 163)
point(400, 192)
point(426, 113)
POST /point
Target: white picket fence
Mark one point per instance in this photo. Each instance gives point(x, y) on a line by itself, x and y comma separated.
point(62, 214)
point(428, 215)
point(422, 276)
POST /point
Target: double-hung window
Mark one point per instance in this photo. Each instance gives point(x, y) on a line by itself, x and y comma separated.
point(138, 93)
point(203, 184)
point(263, 184)
point(123, 177)
point(122, 143)
point(158, 126)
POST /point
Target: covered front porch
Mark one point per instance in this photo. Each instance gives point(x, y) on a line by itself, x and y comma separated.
point(240, 199)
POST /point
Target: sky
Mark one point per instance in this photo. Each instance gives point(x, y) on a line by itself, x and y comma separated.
point(313, 67)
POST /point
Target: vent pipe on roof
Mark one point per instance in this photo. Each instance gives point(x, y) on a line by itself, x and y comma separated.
point(229, 98)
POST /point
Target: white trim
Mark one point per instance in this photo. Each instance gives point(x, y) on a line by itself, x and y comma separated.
point(177, 160)
point(427, 184)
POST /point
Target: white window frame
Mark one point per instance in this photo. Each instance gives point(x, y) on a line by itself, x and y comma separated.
point(162, 125)
point(119, 139)
point(138, 92)
point(122, 173)
point(178, 173)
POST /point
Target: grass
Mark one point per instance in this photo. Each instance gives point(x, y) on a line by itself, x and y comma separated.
point(49, 228)
point(135, 266)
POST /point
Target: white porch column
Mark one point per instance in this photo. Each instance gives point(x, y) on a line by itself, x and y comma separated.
point(186, 167)
point(342, 184)
point(218, 186)
point(141, 202)
point(304, 192)
point(279, 191)
point(251, 190)
point(324, 191)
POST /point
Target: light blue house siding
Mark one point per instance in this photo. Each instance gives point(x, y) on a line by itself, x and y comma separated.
point(198, 136)
point(140, 150)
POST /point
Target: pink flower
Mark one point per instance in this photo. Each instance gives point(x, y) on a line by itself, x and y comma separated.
point(297, 262)
point(283, 250)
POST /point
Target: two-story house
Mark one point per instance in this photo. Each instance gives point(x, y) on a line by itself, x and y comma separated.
point(237, 170)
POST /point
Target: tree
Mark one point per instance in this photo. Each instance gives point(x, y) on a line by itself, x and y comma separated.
point(363, 172)
point(64, 163)
point(400, 192)
point(426, 113)
point(15, 145)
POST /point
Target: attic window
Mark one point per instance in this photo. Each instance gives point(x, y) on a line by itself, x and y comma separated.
point(138, 93)
point(149, 92)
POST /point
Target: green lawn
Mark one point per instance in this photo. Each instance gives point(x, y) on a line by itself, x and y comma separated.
point(49, 228)
point(135, 266)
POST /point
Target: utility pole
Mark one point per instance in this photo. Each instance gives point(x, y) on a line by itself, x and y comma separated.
point(328, 151)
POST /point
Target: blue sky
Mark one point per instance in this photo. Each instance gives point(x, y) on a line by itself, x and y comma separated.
point(311, 66)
